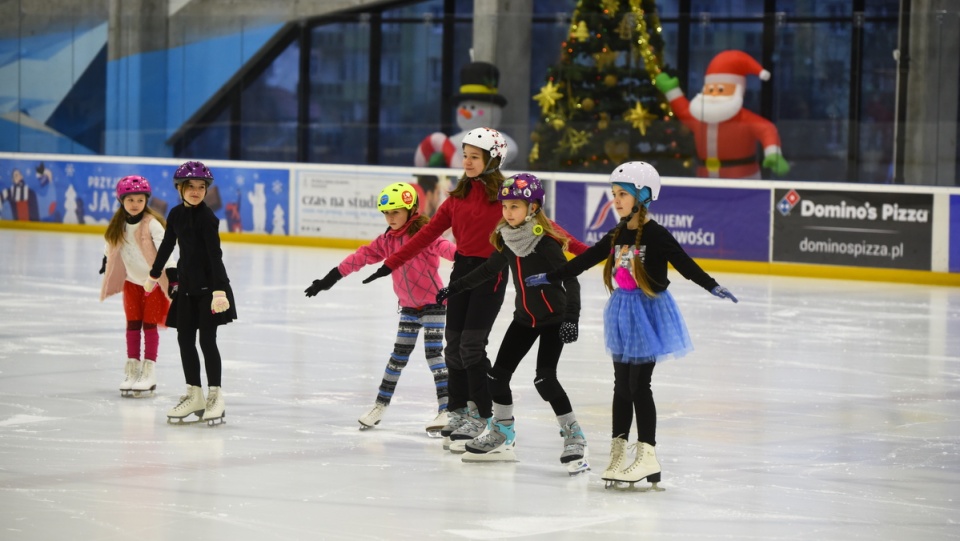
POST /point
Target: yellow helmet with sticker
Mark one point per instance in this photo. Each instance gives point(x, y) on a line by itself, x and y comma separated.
point(398, 195)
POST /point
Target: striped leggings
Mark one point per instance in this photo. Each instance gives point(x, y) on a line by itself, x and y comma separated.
point(431, 318)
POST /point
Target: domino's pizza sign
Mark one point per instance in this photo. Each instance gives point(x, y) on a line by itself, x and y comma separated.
point(860, 229)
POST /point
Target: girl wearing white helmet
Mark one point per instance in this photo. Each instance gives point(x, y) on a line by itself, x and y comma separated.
point(642, 323)
point(472, 211)
point(416, 284)
point(203, 299)
point(133, 237)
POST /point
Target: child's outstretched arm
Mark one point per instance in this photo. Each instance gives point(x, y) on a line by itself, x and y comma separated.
point(324, 284)
point(487, 271)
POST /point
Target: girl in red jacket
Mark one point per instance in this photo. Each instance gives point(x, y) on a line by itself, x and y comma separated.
point(472, 210)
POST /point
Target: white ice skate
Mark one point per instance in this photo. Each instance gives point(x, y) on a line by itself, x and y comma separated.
point(215, 409)
point(455, 419)
point(372, 418)
point(146, 383)
point(131, 371)
point(190, 404)
point(495, 445)
point(434, 427)
point(472, 428)
point(645, 467)
point(618, 453)
point(574, 455)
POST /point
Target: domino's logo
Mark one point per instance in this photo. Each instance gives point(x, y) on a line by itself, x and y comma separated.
point(788, 202)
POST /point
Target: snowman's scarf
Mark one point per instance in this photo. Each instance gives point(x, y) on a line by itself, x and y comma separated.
point(521, 240)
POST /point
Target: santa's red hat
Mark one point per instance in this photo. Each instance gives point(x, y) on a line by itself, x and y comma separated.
point(733, 67)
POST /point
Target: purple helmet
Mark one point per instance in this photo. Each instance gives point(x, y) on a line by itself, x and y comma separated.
point(132, 185)
point(193, 171)
point(522, 186)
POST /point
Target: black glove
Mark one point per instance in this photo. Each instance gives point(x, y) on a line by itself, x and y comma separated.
point(381, 272)
point(569, 332)
point(326, 283)
point(103, 266)
point(442, 294)
point(446, 292)
point(173, 281)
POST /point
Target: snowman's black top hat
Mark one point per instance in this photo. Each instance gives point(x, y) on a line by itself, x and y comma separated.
point(478, 81)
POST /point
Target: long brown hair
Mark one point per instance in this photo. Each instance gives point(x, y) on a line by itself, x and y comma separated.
point(639, 273)
point(418, 222)
point(491, 180)
point(115, 230)
point(496, 239)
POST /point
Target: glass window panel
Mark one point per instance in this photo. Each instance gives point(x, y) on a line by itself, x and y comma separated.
point(842, 9)
point(878, 101)
point(339, 90)
point(268, 129)
point(410, 74)
point(882, 8)
point(811, 85)
point(210, 140)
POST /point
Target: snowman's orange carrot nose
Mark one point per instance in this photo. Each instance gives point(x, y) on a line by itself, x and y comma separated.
point(465, 113)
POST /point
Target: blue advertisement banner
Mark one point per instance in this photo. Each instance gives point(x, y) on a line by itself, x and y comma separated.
point(253, 200)
point(714, 223)
point(954, 233)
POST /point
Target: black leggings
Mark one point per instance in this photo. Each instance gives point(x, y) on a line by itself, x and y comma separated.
point(188, 321)
point(517, 341)
point(470, 316)
point(632, 393)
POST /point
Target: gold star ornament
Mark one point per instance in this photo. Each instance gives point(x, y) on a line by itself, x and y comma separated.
point(639, 118)
point(548, 96)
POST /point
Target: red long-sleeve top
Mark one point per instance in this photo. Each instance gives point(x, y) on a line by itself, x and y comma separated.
point(473, 218)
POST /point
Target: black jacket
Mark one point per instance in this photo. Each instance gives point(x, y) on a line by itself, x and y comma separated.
point(535, 306)
point(200, 267)
point(658, 247)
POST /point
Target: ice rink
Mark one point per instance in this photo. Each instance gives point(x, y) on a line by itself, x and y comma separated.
point(813, 409)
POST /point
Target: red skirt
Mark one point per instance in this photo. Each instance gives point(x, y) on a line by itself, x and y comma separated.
point(138, 306)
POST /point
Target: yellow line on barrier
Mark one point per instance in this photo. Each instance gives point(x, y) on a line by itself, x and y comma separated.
point(710, 265)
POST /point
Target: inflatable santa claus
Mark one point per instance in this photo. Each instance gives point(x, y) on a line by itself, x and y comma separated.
point(726, 134)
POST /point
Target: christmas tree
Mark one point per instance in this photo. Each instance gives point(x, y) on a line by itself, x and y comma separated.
point(599, 106)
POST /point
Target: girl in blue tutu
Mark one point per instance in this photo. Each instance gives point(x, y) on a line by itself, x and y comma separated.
point(642, 323)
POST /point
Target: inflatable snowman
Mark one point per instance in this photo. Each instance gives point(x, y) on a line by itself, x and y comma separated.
point(478, 106)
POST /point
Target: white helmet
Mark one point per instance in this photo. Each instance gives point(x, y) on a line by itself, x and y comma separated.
point(488, 139)
point(639, 174)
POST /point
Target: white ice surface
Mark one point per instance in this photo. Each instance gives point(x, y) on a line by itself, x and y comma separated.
point(813, 409)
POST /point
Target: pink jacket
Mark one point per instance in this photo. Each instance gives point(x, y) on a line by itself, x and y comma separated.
point(416, 282)
point(116, 272)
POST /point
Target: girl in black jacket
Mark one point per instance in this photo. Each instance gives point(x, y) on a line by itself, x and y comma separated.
point(642, 323)
point(526, 241)
point(200, 290)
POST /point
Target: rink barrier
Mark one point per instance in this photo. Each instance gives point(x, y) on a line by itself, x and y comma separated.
point(710, 265)
point(791, 228)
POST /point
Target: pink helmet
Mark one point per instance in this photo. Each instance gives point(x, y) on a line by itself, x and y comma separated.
point(132, 184)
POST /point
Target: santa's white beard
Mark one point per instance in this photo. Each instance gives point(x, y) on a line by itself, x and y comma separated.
point(715, 109)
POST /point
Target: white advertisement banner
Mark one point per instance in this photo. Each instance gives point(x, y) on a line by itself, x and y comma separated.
point(340, 204)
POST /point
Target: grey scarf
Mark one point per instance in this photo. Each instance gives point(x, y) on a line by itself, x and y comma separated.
point(520, 240)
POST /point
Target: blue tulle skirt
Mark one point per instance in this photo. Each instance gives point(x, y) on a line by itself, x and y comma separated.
point(638, 329)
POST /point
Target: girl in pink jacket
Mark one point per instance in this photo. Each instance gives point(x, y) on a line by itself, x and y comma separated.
point(416, 283)
point(134, 233)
